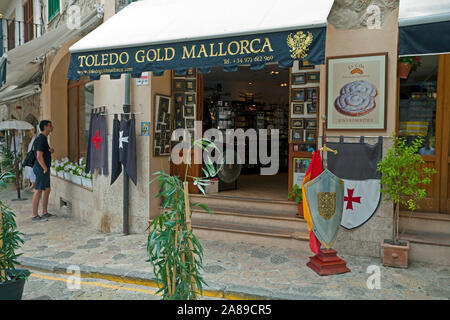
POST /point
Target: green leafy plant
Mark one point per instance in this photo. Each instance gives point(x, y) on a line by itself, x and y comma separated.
point(174, 252)
point(295, 194)
point(10, 238)
point(403, 176)
point(414, 61)
point(6, 160)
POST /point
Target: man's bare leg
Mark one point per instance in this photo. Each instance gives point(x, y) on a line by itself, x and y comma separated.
point(36, 197)
point(45, 201)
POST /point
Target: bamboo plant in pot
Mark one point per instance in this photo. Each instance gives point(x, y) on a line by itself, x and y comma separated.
point(403, 176)
point(296, 194)
point(174, 251)
point(12, 280)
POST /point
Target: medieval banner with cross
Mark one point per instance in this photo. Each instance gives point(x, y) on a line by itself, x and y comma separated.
point(356, 165)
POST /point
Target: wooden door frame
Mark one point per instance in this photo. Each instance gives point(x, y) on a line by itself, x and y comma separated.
point(444, 68)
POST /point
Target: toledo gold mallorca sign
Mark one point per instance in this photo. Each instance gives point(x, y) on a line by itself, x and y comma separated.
point(256, 50)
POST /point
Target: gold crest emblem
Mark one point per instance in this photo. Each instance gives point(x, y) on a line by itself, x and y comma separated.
point(326, 204)
point(299, 44)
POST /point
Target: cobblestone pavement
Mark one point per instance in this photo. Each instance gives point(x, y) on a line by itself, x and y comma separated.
point(230, 269)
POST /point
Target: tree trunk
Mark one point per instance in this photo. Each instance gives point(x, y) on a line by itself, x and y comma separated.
point(1, 242)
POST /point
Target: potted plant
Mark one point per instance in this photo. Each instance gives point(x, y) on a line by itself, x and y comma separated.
point(296, 194)
point(53, 167)
point(68, 171)
point(403, 176)
point(60, 170)
point(12, 280)
point(174, 251)
point(406, 65)
point(76, 174)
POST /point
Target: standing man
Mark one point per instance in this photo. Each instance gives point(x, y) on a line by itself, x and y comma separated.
point(41, 169)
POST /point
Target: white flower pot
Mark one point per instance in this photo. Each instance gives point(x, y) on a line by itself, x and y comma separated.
point(60, 174)
point(76, 179)
point(87, 182)
point(67, 176)
point(53, 171)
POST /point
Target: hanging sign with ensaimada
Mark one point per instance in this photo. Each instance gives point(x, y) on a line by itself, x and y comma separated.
point(255, 50)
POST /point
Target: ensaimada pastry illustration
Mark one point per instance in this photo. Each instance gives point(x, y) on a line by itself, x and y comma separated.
point(356, 98)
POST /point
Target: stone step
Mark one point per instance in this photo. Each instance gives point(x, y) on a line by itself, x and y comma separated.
point(251, 217)
point(418, 222)
point(238, 204)
point(428, 247)
point(270, 236)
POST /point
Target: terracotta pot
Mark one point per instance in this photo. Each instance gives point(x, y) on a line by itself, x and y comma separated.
point(404, 70)
point(395, 255)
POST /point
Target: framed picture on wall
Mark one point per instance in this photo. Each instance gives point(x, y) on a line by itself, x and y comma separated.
point(297, 124)
point(311, 124)
point(300, 166)
point(189, 98)
point(311, 108)
point(189, 85)
point(298, 78)
point(191, 72)
point(188, 111)
point(312, 93)
point(297, 135)
point(189, 123)
point(310, 135)
point(356, 92)
point(178, 111)
point(313, 76)
point(162, 123)
point(179, 98)
point(298, 95)
point(297, 109)
point(178, 84)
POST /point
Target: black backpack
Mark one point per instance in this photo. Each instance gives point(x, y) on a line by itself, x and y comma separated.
point(30, 159)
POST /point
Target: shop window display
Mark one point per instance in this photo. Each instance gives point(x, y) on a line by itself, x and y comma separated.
point(417, 109)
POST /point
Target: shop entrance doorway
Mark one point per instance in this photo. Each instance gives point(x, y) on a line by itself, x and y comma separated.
point(250, 100)
point(425, 111)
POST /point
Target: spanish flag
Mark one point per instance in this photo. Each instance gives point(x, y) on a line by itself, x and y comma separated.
point(315, 168)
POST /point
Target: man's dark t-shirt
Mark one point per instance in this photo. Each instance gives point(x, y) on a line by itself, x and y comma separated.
point(41, 144)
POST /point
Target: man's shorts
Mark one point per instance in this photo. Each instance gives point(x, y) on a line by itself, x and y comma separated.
point(42, 180)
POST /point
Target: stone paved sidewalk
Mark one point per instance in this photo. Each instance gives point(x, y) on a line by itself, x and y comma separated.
point(230, 269)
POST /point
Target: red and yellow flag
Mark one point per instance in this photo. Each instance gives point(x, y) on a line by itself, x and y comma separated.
point(315, 168)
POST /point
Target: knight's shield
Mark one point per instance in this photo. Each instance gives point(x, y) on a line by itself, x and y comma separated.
point(325, 198)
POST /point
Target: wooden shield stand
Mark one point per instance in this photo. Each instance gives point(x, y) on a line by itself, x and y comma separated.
point(327, 262)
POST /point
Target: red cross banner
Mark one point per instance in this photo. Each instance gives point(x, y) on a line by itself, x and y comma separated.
point(356, 165)
point(97, 145)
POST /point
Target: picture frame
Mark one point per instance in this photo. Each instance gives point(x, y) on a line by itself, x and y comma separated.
point(178, 85)
point(298, 109)
point(298, 78)
point(297, 123)
point(312, 93)
point(162, 122)
point(189, 124)
point(310, 136)
point(313, 76)
point(189, 98)
point(297, 135)
point(343, 74)
point(189, 85)
point(178, 111)
point(311, 108)
point(191, 72)
point(188, 111)
point(300, 167)
point(298, 95)
point(304, 65)
point(311, 123)
point(179, 123)
point(179, 98)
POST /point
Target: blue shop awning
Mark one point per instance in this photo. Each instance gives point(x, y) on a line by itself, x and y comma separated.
point(424, 27)
point(159, 35)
